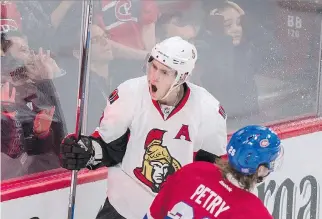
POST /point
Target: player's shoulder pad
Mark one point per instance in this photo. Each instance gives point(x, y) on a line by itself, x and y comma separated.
point(128, 90)
point(210, 105)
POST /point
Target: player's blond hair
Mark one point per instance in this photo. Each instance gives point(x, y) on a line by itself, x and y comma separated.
point(246, 182)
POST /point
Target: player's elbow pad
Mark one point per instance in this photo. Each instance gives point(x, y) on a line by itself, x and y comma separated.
point(206, 156)
point(113, 152)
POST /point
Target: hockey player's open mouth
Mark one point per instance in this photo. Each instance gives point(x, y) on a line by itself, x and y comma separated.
point(154, 88)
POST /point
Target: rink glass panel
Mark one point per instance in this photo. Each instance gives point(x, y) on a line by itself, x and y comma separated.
point(259, 58)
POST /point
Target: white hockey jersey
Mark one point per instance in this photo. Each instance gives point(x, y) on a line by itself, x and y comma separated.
point(159, 144)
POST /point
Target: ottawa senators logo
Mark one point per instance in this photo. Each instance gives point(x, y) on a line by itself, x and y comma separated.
point(157, 163)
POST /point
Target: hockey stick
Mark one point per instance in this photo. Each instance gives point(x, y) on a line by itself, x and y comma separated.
point(87, 11)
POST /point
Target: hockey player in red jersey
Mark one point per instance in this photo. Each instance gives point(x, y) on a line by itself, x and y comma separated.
point(151, 127)
point(202, 190)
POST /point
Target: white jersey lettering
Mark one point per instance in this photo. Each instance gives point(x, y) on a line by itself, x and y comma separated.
point(209, 200)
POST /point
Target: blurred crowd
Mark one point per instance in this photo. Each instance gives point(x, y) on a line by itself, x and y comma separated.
point(259, 58)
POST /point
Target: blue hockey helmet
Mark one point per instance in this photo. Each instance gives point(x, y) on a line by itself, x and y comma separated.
point(253, 146)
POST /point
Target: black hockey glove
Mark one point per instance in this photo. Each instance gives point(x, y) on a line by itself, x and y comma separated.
point(76, 155)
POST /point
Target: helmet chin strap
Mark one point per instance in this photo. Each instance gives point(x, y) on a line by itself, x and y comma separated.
point(260, 179)
point(169, 92)
point(172, 88)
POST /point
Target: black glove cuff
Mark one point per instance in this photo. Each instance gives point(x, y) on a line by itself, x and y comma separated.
point(97, 154)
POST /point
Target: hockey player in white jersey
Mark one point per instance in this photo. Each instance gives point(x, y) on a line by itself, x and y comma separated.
point(151, 127)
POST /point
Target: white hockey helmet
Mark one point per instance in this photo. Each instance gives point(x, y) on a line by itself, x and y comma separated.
point(177, 54)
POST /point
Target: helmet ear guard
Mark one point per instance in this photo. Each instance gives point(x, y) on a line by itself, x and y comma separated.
point(277, 163)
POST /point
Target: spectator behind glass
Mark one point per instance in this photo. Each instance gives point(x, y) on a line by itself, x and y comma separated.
point(32, 125)
point(184, 22)
point(100, 78)
point(65, 17)
point(225, 59)
point(130, 26)
point(119, 18)
point(101, 81)
point(35, 23)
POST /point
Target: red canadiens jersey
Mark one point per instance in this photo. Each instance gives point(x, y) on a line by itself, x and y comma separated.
point(198, 191)
point(10, 17)
point(161, 140)
point(121, 17)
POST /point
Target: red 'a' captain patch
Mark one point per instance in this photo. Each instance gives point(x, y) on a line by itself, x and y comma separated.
point(222, 112)
point(113, 96)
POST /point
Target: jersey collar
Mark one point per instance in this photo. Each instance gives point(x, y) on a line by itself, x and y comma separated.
point(179, 106)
